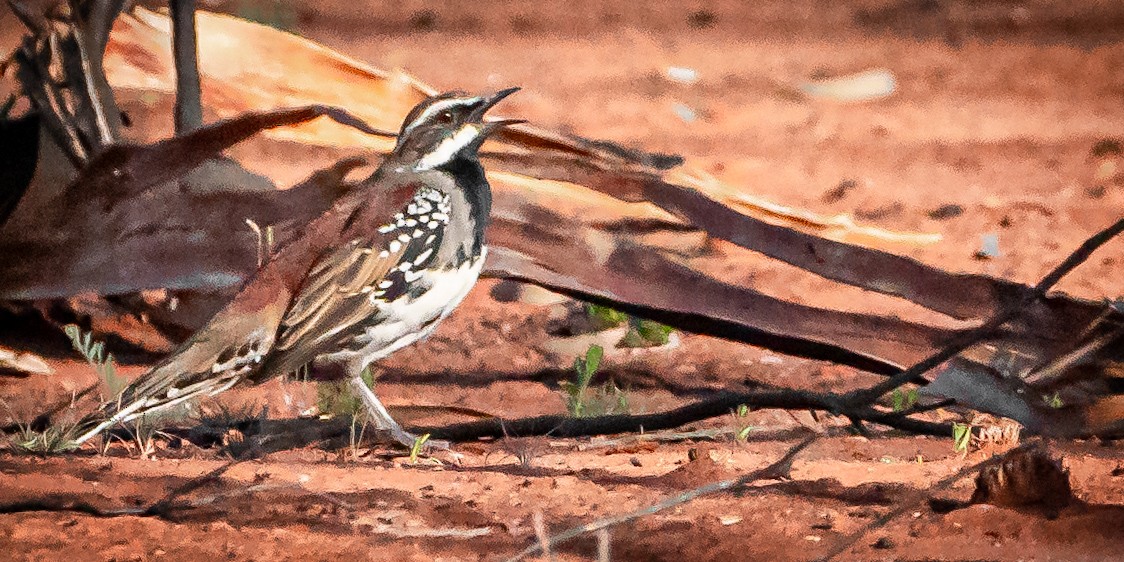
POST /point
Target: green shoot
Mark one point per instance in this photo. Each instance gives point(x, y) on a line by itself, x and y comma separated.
point(961, 437)
point(645, 333)
point(1054, 401)
point(583, 401)
point(744, 429)
point(653, 332)
point(603, 317)
point(903, 401)
point(95, 354)
point(584, 369)
point(416, 448)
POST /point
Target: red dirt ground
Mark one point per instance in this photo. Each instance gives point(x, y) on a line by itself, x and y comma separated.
point(998, 108)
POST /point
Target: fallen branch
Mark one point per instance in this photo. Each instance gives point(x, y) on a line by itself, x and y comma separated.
point(970, 337)
point(716, 406)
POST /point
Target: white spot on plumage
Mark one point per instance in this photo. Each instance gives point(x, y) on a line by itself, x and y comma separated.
point(385, 284)
point(422, 256)
point(395, 246)
point(411, 223)
point(418, 233)
point(433, 225)
point(403, 238)
point(384, 254)
point(387, 228)
point(407, 320)
point(422, 218)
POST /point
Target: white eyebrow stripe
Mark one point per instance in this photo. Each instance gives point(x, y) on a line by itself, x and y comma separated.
point(449, 148)
point(440, 106)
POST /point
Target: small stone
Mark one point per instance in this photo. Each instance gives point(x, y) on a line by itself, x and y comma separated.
point(883, 543)
point(682, 75)
point(947, 211)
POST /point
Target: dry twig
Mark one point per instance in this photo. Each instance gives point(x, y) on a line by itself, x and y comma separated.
point(777, 469)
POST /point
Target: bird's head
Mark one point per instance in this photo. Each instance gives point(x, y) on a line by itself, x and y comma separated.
point(447, 127)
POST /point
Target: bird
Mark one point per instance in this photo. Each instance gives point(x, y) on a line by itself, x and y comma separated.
point(376, 272)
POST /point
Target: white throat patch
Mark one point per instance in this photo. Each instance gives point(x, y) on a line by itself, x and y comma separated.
point(449, 148)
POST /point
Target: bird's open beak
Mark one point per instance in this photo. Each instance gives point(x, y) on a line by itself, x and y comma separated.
point(490, 101)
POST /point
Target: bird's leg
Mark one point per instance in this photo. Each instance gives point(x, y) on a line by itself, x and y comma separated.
point(382, 419)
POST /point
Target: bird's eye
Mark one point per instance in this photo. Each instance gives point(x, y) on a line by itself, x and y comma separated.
point(445, 117)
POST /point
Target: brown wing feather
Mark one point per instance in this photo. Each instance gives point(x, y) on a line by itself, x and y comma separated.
point(236, 342)
point(342, 288)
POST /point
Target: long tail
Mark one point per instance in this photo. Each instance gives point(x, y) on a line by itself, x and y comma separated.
point(163, 387)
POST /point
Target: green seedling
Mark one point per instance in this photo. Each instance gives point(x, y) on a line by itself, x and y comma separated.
point(903, 401)
point(645, 333)
point(641, 332)
point(584, 401)
point(416, 448)
point(744, 429)
point(1054, 401)
point(584, 369)
point(961, 437)
point(603, 317)
point(95, 354)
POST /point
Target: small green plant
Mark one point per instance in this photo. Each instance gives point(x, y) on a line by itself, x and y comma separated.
point(416, 448)
point(603, 317)
point(585, 401)
point(961, 437)
point(95, 354)
point(1054, 401)
point(645, 333)
point(903, 401)
point(641, 332)
point(54, 439)
point(744, 428)
point(584, 369)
